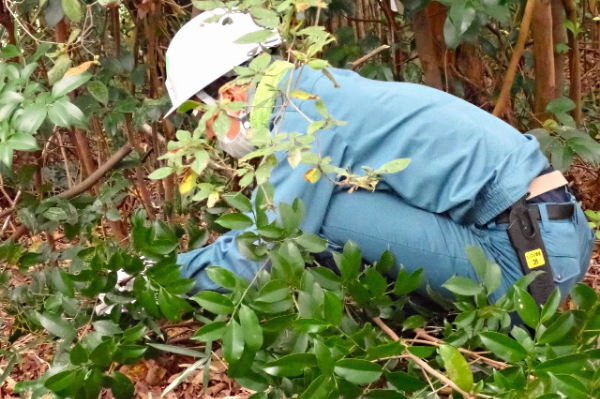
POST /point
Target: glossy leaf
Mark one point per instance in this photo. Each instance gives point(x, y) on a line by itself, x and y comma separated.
point(233, 342)
point(550, 306)
point(238, 201)
point(405, 382)
point(503, 346)
point(291, 365)
point(235, 221)
point(57, 325)
point(253, 335)
point(214, 302)
point(463, 286)
point(358, 371)
point(69, 83)
point(558, 329)
point(211, 332)
point(570, 386)
point(457, 368)
point(527, 308)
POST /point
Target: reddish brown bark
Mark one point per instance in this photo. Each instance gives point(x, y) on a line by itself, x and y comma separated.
point(7, 22)
point(574, 63)
point(558, 36)
point(543, 55)
point(425, 44)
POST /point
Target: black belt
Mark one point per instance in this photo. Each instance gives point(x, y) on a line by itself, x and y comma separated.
point(555, 212)
point(526, 239)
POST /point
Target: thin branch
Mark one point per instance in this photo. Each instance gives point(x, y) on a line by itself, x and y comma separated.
point(97, 174)
point(516, 58)
point(364, 58)
point(474, 355)
point(424, 365)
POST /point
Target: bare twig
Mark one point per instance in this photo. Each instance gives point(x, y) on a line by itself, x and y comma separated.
point(516, 58)
point(474, 355)
point(423, 364)
point(65, 160)
point(364, 58)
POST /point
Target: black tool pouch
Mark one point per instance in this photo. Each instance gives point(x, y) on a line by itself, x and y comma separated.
point(525, 237)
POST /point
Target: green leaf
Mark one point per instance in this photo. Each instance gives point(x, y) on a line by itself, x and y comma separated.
point(208, 4)
point(503, 346)
point(235, 221)
point(564, 364)
point(253, 335)
point(107, 327)
point(562, 158)
point(69, 83)
point(214, 302)
point(358, 371)
point(93, 383)
point(386, 262)
point(78, 355)
point(413, 322)
point(10, 51)
point(210, 332)
point(477, 258)
point(161, 173)
point(584, 296)
point(407, 283)
point(291, 365)
point(255, 37)
point(560, 105)
point(134, 334)
point(421, 351)
point(463, 286)
point(56, 325)
point(222, 276)
point(570, 386)
point(394, 348)
point(61, 381)
point(320, 388)
point(393, 166)
point(312, 242)
point(99, 91)
point(168, 305)
point(31, 119)
point(324, 358)
point(121, 386)
point(72, 9)
point(103, 354)
point(492, 278)
point(273, 291)
point(558, 329)
point(233, 342)
point(310, 326)
point(550, 306)
point(405, 382)
point(177, 349)
point(457, 368)
point(238, 201)
point(527, 308)
point(333, 309)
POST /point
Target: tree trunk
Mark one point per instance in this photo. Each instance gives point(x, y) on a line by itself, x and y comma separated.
point(543, 56)
point(7, 22)
point(426, 50)
point(574, 64)
point(558, 36)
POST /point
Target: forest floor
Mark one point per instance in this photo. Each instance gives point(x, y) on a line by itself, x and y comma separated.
point(152, 377)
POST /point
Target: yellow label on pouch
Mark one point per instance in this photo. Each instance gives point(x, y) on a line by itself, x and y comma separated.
point(535, 258)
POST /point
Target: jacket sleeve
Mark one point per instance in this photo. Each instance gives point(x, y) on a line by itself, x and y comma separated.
point(289, 184)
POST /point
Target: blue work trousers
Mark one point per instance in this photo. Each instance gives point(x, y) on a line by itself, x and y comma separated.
point(466, 167)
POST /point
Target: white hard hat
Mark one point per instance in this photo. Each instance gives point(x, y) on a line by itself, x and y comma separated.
point(201, 52)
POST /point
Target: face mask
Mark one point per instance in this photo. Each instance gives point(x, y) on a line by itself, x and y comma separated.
point(240, 146)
